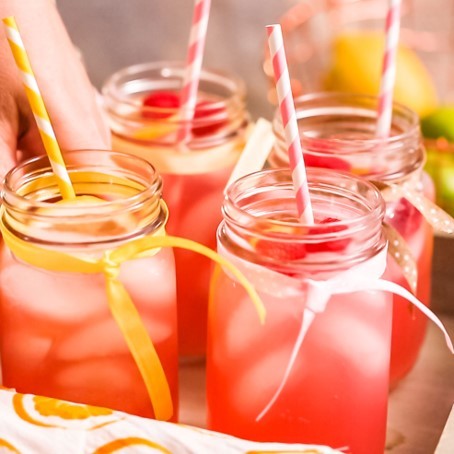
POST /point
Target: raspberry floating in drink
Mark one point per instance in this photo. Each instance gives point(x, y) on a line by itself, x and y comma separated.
point(209, 116)
point(162, 103)
point(287, 251)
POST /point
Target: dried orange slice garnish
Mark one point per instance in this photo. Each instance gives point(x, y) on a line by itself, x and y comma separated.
point(154, 131)
point(46, 406)
point(49, 412)
point(8, 446)
point(121, 443)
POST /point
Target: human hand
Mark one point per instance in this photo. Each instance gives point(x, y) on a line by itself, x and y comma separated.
point(68, 95)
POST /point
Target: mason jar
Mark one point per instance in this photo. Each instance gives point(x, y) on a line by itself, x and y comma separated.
point(338, 131)
point(317, 370)
point(142, 105)
point(77, 301)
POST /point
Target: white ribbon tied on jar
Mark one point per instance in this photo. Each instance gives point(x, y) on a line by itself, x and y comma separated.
point(363, 277)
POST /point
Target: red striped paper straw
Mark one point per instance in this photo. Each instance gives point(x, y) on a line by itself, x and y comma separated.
point(289, 122)
point(388, 76)
point(194, 58)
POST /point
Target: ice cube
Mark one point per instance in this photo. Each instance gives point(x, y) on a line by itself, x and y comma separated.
point(150, 281)
point(114, 383)
point(103, 339)
point(239, 323)
point(25, 350)
point(354, 331)
point(96, 373)
point(253, 387)
point(51, 296)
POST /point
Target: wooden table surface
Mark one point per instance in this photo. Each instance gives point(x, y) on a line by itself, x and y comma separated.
point(446, 443)
point(419, 407)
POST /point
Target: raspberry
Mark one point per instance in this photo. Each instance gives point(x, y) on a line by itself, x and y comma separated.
point(328, 246)
point(404, 217)
point(326, 162)
point(206, 109)
point(161, 100)
point(166, 103)
point(284, 252)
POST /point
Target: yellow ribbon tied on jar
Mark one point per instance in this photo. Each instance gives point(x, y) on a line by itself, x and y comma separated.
point(121, 306)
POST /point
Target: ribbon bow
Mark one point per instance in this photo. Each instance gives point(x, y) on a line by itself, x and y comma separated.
point(363, 277)
point(440, 221)
point(121, 306)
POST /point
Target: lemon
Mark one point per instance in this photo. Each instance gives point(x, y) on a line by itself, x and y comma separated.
point(115, 226)
point(356, 68)
point(81, 200)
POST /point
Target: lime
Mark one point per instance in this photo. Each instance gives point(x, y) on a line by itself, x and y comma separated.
point(439, 123)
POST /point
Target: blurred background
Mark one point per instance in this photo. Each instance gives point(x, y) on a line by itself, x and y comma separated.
point(330, 45)
point(112, 34)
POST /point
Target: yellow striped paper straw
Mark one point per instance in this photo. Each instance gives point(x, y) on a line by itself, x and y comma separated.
point(38, 108)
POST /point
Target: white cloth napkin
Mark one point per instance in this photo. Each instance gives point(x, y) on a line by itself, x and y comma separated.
point(32, 424)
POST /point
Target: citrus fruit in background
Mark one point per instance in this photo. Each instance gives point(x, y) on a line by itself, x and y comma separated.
point(439, 123)
point(356, 68)
point(438, 131)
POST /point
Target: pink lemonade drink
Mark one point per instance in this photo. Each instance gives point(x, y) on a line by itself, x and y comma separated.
point(142, 104)
point(338, 131)
point(58, 335)
point(334, 390)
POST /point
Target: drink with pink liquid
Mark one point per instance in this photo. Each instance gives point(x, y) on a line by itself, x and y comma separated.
point(58, 337)
point(142, 104)
point(338, 131)
point(336, 390)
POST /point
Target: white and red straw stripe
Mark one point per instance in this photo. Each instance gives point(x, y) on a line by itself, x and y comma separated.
point(388, 76)
point(188, 97)
point(290, 124)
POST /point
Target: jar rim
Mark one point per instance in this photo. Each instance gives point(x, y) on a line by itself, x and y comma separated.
point(358, 99)
point(375, 209)
point(219, 116)
point(110, 86)
point(354, 236)
point(342, 125)
point(38, 167)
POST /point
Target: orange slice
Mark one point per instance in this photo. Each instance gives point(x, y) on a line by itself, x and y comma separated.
point(155, 131)
point(46, 406)
point(49, 412)
point(121, 443)
point(6, 445)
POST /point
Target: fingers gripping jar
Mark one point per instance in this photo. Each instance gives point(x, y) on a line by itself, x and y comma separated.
point(142, 105)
